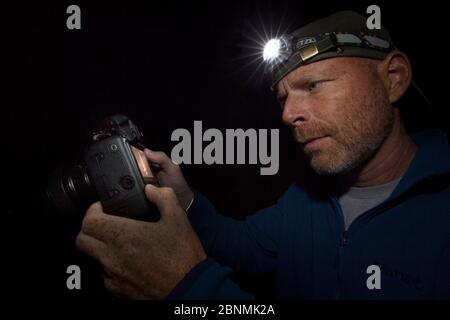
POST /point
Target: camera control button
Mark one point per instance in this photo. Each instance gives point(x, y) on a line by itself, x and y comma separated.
point(127, 182)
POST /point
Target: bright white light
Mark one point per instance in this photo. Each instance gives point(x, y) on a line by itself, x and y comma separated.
point(272, 50)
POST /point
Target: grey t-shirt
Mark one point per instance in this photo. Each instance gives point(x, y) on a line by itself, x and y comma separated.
point(356, 200)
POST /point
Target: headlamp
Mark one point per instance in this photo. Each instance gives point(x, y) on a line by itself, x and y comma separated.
point(277, 50)
point(282, 55)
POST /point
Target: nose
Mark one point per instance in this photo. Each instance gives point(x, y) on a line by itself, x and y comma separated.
point(295, 112)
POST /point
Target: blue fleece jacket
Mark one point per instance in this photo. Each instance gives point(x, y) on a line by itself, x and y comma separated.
point(301, 239)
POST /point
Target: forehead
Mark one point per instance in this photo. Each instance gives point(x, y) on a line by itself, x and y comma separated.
point(332, 67)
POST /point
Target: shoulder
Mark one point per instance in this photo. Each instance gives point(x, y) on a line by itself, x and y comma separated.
point(295, 195)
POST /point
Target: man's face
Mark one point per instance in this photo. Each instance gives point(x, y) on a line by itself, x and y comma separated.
point(339, 112)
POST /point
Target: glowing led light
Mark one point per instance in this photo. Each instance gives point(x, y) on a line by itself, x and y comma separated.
point(272, 50)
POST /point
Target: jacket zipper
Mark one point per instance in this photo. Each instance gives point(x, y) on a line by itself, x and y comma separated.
point(344, 234)
point(366, 216)
point(342, 243)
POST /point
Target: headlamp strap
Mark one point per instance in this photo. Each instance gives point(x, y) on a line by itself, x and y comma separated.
point(311, 50)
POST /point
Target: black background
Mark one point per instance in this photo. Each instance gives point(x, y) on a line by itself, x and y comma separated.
point(164, 64)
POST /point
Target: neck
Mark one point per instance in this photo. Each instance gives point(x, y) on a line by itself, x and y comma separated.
point(389, 162)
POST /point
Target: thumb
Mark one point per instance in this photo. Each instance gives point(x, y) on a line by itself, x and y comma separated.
point(158, 158)
point(164, 198)
point(95, 210)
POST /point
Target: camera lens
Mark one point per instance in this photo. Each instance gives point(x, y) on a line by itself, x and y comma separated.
point(70, 190)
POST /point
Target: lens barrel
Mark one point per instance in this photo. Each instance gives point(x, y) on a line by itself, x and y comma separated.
point(70, 189)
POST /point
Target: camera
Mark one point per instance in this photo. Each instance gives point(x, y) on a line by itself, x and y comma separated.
point(114, 171)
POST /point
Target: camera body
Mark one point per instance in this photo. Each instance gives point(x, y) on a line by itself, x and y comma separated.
point(115, 171)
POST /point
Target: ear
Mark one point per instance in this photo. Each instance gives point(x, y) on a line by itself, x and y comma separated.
point(395, 71)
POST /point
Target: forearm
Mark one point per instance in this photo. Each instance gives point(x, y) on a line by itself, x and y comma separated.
point(243, 245)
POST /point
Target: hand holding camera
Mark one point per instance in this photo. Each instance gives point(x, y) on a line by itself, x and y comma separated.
point(142, 260)
point(138, 230)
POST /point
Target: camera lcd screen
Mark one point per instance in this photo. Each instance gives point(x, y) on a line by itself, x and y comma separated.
point(143, 165)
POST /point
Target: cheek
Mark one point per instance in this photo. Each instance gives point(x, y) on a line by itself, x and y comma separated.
point(333, 106)
point(350, 100)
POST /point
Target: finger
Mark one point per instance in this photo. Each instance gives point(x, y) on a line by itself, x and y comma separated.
point(159, 158)
point(102, 226)
point(92, 247)
point(93, 219)
point(164, 198)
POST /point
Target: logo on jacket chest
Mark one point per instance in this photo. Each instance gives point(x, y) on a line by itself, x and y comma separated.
point(377, 269)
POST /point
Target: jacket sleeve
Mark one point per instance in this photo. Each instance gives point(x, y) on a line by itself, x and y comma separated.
point(208, 281)
point(250, 245)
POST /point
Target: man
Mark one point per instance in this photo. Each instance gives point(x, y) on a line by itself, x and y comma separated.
point(378, 199)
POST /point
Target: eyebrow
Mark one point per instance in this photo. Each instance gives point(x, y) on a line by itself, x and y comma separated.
point(330, 73)
point(327, 72)
point(308, 77)
point(296, 83)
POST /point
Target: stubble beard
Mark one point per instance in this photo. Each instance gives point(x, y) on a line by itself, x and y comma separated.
point(359, 135)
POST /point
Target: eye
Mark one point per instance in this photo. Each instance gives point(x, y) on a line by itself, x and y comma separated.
point(314, 85)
